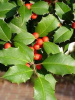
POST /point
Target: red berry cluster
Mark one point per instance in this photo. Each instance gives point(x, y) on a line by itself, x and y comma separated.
point(38, 44)
point(28, 5)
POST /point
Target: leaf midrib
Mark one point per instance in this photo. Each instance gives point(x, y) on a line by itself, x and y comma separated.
point(18, 73)
point(42, 88)
point(13, 58)
point(5, 34)
point(25, 51)
point(48, 26)
point(61, 35)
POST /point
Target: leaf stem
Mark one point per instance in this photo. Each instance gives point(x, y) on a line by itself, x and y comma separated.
point(34, 69)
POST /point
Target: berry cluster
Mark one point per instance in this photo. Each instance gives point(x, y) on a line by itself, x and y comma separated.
point(38, 44)
point(28, 5)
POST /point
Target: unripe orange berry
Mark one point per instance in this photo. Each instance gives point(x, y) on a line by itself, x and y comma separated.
point(37, 56)
point(27, 64)
point(31, 47)
point(59, 24)
point(34, 16)
point(36, 47)
point(7, 45)
point(36, 35)
point(45, 39)
point(28, 5)
point(39, 41)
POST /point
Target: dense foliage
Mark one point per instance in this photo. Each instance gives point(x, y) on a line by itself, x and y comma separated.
point(34, 40)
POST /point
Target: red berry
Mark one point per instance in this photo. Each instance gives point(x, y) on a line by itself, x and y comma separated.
point(38, 67)
point(37, 56)
point(7, 45)
point(36, 35)
point(27, 64)
point(28, 5)
point(73, 25)
point(31, 47)
point(34, 16)
point(45, 39)
point(39, 41)
point(36, 47)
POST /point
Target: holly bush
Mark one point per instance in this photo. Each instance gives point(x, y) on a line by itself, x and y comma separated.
point(31, 36)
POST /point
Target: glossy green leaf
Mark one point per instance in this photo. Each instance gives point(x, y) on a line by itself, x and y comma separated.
point(18, 74)
point(46, 25)
point(50, 47)
point(40, 7)
point(12, 56)
point(43, 90)
point(25, 38)
point(25, 50)
point(60, 64)
point(5, 33)
point(63, 11)
point(63, 34)
point(17, 26)
point(25, 13)
point(51, 80)
point(5, 8)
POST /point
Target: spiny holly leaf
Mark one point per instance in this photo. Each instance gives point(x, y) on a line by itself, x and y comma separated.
point(63, 11)
point(46, 25)
point(25, 38)
point(5, 8)
point(51, 80)
point(51, 48)
point(12, 56)
point(60, 64)
point(43, 90)
point(5, 33)
point(17, 26)
point(26, 50)
point(18, 74)
point(63, 34)
point(40, 7)
point(25, 13)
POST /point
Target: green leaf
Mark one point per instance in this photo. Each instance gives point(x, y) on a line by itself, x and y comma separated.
point(5, 8)
point(51, 80)
point(5, 33)
point(25, 13)
point(40, 7)
point(16, 25)
point(25, 50)
point(50, 47)
point(43, 90)
point(2, 1)
point(18, 74)
point(12, 56)
point(20, 2)
point(46, 25)
point(63, 34)
point(60, 64)
point(63, 11)
point(25, 38)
